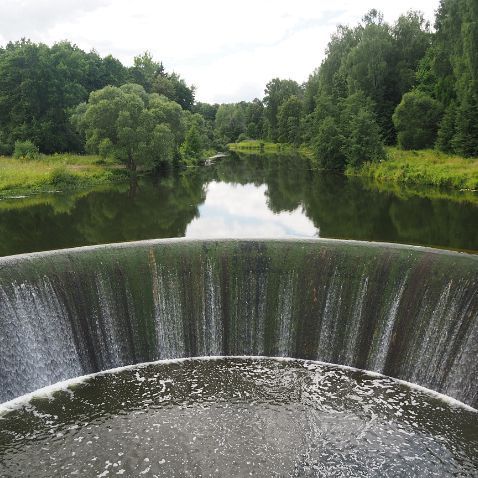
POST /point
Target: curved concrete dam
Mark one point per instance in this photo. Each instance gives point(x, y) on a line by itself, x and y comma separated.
point(407, 312)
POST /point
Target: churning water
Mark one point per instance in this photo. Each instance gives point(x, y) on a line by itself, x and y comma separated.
point(405, 312)
point(238, 417)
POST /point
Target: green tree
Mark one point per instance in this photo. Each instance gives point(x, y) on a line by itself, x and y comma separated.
point(330, 146)
point(288, 120)
point(128, 124)
point(230, 122)
point(416, 120)
point(277, 92)
point(446, 130)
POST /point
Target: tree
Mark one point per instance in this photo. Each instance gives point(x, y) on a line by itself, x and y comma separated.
point(416, 120)
point(449, 73)
point(446, 130)
point(230, 122)
point(145, 70)
point(360, 129)
point(128, 124)
point(330, 146)
point(277, 92)
point(288, 120)
point(163, 144)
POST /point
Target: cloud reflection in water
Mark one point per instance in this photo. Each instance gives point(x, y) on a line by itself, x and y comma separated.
point(234, 210)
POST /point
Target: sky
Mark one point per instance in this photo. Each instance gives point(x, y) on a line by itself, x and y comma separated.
point(228, 49)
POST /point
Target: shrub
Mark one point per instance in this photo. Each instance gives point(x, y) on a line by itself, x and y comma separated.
point(25, 150)
point(60, 177)
point(416, 120)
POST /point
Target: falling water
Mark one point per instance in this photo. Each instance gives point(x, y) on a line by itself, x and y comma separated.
point(408, 312)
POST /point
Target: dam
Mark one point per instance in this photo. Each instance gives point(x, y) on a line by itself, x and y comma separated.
point(405, 312)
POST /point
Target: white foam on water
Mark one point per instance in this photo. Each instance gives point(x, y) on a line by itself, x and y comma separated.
point(47, 392)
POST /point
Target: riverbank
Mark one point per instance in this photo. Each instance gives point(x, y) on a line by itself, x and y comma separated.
point(412, 168)
point(255, 146)
point(424, 167)
point(56, 172)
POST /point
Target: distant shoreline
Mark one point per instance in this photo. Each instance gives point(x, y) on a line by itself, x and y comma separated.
point(407, 168)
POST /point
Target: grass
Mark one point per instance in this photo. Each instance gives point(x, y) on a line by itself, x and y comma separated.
point(425, 167)
point(254, 146)
point(56, 172)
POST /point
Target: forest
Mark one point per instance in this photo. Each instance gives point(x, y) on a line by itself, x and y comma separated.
point(408, 84)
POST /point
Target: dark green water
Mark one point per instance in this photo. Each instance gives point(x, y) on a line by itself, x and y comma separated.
point(239, 197)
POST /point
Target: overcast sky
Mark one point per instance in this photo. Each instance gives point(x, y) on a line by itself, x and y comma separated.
point(227, 49)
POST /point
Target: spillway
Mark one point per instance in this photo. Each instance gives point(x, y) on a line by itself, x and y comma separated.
point(406, 312)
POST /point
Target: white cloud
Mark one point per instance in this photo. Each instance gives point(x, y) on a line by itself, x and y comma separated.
point(241, 211)
point(229, 50)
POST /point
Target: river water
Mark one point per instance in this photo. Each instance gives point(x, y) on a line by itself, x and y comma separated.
point(245, 196)
point(238, 417)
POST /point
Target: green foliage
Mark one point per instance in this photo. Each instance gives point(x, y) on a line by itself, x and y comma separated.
point(163, 144)
point(41, 88)
point(276, 93)
point(62, 178)
point(25, 150)
point(230, 122)
point(131, 125)
point(364, 143)
point(416, 120)
point(374, 58)
point(288, 119)
point(423, 167)
point(348, 135)
point(192, 146)
point(449, 73)
point(59, 171)
point(446, 130)
point(40, 84)
point(330, 146)
point(465, 140)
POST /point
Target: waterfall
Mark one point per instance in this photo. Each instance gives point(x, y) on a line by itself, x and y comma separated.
point(408, 312)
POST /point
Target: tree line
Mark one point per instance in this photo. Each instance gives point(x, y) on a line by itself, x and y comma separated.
point(379, 84)
point(63, 99)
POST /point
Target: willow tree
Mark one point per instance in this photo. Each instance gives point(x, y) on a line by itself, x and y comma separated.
point(129, 125)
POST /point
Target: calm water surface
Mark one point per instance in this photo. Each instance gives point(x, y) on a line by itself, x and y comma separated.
point(240, 197)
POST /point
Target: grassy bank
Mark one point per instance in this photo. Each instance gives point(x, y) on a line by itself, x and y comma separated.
point(412, 168)
point(426, 167)
point(255, 146)
point(56, 172)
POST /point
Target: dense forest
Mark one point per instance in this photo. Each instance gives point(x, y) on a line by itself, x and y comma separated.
point(379, 84)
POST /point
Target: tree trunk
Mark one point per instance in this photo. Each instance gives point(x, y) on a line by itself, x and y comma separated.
point(131, 163)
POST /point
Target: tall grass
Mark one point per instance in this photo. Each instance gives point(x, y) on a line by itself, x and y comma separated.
point(428, 167)
point(59, 171)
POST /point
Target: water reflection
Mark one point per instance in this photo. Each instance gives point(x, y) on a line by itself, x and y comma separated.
point(237, 197)
point(235, 210)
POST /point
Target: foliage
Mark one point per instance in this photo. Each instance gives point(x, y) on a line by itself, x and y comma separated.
point(230, 122)
point(416, 120)
point(449, 72)
point(348, 135)
point(40, 86)
point(25, 150)
point(277, 92)
point(132, 126)
point(330, 146)
point(60, 171)
point(423, 167)
point(288, 120)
